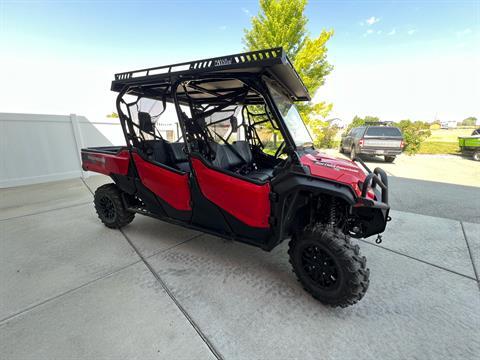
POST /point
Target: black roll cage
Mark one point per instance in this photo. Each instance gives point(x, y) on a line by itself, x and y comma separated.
point(199, 109)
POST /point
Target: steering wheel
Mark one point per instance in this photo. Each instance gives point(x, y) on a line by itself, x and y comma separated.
point(280, 150)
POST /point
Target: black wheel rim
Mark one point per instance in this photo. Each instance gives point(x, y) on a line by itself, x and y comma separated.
point(106, 208)
point(320, 267)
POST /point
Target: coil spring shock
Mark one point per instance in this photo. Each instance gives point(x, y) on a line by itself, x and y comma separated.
point(333, 213)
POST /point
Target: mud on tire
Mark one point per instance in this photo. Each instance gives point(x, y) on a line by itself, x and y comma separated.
point(109, 207)
point(329, 267)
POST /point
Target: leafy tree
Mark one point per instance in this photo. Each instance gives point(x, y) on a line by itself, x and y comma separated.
point(283, 23)
point(470, 121)
point(414, 134)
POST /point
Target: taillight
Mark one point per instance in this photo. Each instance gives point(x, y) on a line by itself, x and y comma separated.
point(402, 144)
point(360, 142)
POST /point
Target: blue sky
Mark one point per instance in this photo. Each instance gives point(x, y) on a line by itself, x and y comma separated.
point(76, 46)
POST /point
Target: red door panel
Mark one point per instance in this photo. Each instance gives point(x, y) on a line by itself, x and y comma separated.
point(248, 202)
point(168, 185)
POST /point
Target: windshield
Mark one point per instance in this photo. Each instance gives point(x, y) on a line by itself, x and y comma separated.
point(291, 117)
point(383, 131)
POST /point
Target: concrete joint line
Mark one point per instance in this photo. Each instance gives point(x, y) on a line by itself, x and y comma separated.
point(470, 254)
point(86, 185)
point(28, 309)
point(173, 246)
point(419, 260)
point(46, 211)
point(175, 301)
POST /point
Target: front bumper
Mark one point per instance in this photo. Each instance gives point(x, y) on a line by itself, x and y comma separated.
point(370, 216)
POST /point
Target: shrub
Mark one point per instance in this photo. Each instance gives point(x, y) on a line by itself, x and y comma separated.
point(414, 134)
point(326, 138)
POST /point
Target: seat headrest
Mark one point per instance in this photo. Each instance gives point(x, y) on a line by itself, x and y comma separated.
point(145, 121)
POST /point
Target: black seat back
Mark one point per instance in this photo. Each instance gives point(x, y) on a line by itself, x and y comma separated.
point(157, 150)
point(229, 157)
point(177, 152)
point(243, 149)
point(178, 156)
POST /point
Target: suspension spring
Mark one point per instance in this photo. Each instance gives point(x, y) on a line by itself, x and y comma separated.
point(333, 212)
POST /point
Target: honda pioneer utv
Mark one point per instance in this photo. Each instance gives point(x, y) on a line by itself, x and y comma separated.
point(218, 145)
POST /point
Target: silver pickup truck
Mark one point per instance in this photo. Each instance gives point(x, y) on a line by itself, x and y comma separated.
point(373, 140)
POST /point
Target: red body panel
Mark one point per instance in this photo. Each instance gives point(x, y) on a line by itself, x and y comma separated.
point(248, 202)
point(106, 163)
point(335, 169)
point(168, 185)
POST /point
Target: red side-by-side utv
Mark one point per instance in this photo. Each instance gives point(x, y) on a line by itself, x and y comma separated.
point(218, 145)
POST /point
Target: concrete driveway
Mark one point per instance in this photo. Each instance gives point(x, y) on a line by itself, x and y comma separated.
point(71, 288)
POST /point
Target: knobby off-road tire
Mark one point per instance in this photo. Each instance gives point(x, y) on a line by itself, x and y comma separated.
point(389, 159)
point(110, 208)
point(329, 267)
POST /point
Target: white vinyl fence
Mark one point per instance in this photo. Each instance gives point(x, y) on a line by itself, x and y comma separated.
point(39, 148)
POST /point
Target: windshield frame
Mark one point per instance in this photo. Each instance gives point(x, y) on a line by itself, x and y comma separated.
point(271, 84)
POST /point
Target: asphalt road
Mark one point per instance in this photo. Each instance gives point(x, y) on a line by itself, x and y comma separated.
point(437, 199)
point(443, 186)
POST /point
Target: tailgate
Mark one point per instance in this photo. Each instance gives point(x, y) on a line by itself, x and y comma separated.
point(382, 143)
point(106, 160)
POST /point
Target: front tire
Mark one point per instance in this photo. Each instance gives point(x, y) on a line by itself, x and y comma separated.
point(476, 156)
point(389, 159)
point(110, 208)
point(329, 267)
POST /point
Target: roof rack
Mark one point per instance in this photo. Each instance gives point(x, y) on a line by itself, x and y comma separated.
point(272, 60)
point(378, 123)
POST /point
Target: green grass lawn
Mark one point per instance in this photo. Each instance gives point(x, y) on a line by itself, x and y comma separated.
point(444, 141)
point(439, 147)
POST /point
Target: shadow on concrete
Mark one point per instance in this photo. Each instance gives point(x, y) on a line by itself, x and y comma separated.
point(438, 199)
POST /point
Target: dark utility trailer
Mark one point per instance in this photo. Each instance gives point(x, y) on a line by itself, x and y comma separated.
point(218, 145)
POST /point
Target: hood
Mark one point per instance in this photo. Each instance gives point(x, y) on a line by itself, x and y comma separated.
point(334, 169)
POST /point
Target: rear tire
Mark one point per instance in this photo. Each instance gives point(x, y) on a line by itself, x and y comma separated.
point(110, 208)
point(340, 150)
point(329, 267)
point(476, 156)
point(389, 159)
point(353, 153)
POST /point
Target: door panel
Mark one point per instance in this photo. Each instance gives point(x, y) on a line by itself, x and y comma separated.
point(170, 186)
point(246, 201)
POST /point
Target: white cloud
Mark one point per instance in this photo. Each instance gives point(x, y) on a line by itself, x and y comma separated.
point(246, 11)
point(464, 32)
point(222, 28)
point(379, 32)
point(411, 32)
point(368, 32)
point(372, 20)
point(392, 32)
